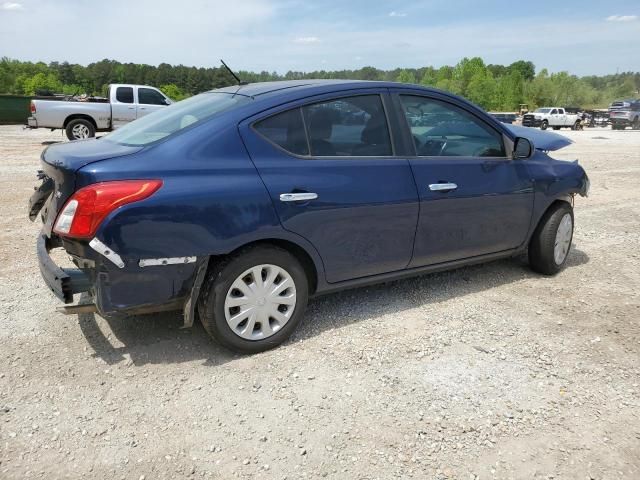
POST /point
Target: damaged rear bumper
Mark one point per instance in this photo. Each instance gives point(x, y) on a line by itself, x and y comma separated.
point(126, 286)
point(63, 282)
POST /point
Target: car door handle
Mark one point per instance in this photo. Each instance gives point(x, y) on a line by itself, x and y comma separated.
point(297, 197)
point(442, 187)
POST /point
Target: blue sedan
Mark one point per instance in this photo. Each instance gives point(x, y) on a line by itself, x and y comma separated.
point(239, 204)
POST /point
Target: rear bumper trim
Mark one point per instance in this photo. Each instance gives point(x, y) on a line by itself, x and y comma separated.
point(63, 282)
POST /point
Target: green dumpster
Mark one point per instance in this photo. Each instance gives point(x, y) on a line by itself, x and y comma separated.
point(14, 109)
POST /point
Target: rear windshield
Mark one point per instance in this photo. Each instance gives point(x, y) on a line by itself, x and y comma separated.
point(168, 120)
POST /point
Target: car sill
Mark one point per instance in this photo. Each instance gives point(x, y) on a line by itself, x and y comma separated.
point(412, 272)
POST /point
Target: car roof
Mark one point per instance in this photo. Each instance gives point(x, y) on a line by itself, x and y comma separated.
point(308, 87)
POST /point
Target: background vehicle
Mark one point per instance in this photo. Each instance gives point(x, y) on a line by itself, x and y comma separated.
point(625, 113)
point(246, 200)
point(505, 117)
point(83, 118)
point(555, 117)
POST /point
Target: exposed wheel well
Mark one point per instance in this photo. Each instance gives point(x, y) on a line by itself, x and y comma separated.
point(555, 204)
point(301, 255)
point(80, 116)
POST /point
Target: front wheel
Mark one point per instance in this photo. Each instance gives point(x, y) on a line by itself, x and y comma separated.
point(544, 125)
point(551, 242)
point(80, 129)
point(253, 301)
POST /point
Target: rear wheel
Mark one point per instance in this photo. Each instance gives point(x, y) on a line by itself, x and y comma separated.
point(636, 124)
point(80, 129)
point(551, 242)
point(544, 125)
point(254, 300)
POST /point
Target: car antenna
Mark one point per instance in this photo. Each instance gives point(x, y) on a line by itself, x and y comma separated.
point(240, 82)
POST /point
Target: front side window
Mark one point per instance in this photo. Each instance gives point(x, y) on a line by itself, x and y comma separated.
point(124, 94)
point(285, 130)
point(554, 112)
point(347, 127)
point(441, 129)
point(148, 96)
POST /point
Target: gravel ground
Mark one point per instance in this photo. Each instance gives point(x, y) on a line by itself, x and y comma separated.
point(485, 372)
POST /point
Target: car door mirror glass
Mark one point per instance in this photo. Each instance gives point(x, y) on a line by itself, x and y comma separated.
point(523, 148)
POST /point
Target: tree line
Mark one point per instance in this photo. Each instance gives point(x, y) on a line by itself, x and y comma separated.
point(493, 87)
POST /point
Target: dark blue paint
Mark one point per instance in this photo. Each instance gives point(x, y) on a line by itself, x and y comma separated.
point(375, 218)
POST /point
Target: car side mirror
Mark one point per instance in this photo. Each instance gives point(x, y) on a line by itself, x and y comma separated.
point(167, 101)
point(523, 148)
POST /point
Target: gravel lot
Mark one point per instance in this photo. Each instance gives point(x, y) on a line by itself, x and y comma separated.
point(485, 372)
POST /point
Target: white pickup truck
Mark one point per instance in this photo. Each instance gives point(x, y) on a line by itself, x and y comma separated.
point(82, 119)
point(555, 117)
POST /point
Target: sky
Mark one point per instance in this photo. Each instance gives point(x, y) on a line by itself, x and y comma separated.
point(583, 37)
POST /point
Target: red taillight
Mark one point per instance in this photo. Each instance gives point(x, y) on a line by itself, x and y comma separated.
point(33, 107)
point(87, 208)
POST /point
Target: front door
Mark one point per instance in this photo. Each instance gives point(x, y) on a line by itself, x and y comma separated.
point(340, 187)
point(473, 199)
point(123, 107)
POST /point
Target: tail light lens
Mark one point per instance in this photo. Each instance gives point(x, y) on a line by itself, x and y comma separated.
point(87, 208)
point(32, 107)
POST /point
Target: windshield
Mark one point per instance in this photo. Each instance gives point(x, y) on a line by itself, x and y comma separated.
point(542, 110)
point(168, 120)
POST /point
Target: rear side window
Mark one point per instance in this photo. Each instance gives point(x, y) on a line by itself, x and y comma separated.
point(124, 94)
point(285, 130)
point(148, 96)
point(348, 127)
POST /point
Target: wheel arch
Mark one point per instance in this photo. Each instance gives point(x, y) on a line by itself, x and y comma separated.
point(566, 199)
point(79, 116)
point(311, 262)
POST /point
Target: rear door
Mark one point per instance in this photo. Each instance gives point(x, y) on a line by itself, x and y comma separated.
point(473, 199)
point(123, 107)
point(150, 100)
point(341, 187)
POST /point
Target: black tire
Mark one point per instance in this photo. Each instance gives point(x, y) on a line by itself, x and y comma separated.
point(544, 125)
point(542, 244)
point(636, 123)
point(81, 124)
point(218, 282)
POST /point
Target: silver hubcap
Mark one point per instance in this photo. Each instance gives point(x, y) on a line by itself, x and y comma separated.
point(260, 302)
point(563, 239)
point(80, 131)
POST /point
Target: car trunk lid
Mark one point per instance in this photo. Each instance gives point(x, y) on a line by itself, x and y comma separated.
point(58, 175)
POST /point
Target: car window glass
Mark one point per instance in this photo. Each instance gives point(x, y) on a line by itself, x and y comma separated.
point(443, 130)
point(149, 96)
point(561, 111)
point(177, 116)
point(345, 127)
point(554, 111)
point(124, 94)
point(285, 130)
